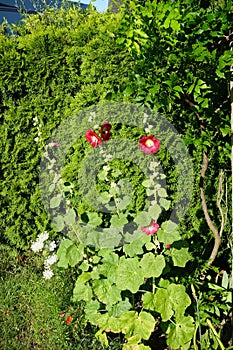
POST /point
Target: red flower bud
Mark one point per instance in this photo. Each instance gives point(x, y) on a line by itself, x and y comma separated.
point(69, 319)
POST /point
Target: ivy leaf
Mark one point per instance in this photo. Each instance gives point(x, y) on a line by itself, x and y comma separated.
point(152, 266)
point(180, 256)
point(129, 274)
point(180, 333)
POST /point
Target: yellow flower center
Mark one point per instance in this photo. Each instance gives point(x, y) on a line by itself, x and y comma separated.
point(149, 143)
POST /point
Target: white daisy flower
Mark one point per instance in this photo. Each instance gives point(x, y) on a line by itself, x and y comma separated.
point(50, 260)
point(37, 246)
point(48, 273)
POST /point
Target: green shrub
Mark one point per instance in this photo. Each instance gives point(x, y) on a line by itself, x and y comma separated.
point(58, 63)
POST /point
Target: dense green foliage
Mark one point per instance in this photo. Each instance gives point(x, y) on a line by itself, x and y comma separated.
point(175, 58)
point(54, 66)
point(183, 58)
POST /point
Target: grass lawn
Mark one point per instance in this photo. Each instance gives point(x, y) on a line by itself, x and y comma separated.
point(30, 308)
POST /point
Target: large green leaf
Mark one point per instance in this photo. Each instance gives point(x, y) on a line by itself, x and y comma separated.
point(152, 266)
point(129, 275)
point(180, 256)
point(106, 292)
point(118, 221)
point(169, 301)
point(120, 308)
point(74, 254)
point(137, 324)
point(181, 332)
point(82, 292)
point(162, 304)
point(136, 247)
point(178, 298)
point(149, 302)
point(168, 233)
point(61, 253)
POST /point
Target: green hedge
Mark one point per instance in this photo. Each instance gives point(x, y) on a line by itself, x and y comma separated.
point(52, 66)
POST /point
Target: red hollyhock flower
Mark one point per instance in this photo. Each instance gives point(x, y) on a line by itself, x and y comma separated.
point(149, 144)
point(168, 246)
point(105, 131)
point(151, 229)
point(93, 138)
point(69, 319)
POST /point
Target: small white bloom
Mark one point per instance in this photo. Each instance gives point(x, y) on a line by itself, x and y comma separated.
point(113, 185)
point(145, 117)
point(52, 246)
point(39, 133)
point(108, 157)
point(148, 129)
point(50, 260)
point(153, 165)
point(48, 273)
point(36, 139)
point(106, 167)
point(43, 237)
point(37, 246)
point(92, 117)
